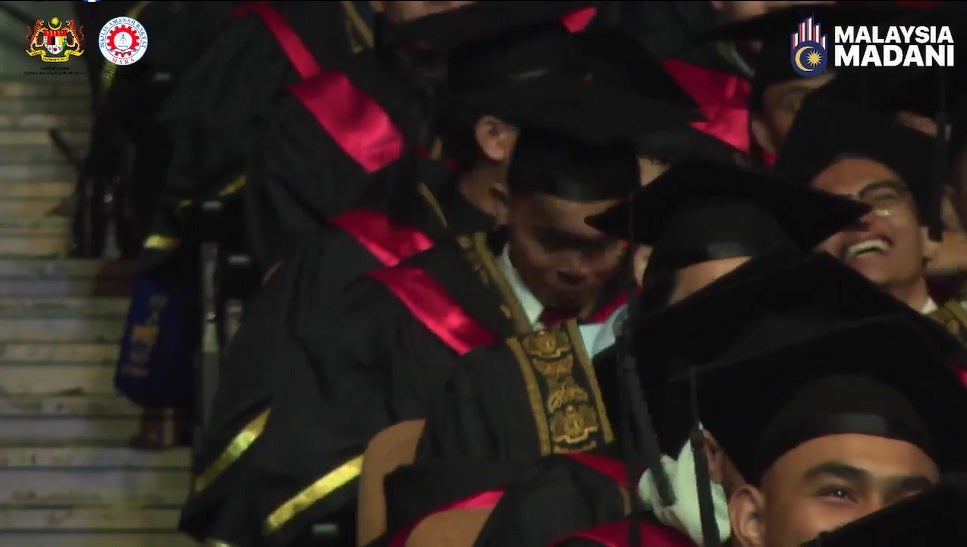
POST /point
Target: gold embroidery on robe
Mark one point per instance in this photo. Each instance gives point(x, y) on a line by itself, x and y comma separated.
point(359, 34)
point(563, 390)
point(953, 316)
point(482, 262)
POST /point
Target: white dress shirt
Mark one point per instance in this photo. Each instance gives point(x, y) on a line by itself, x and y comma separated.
point(596, 336)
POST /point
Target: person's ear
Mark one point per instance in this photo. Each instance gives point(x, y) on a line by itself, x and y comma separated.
point(761, 132)
point(495, 139)
point(931, 248)
point(713, 453)
point(640, 260)
point(746, 508)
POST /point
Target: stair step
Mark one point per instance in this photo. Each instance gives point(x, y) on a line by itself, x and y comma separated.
point(73, 268)
point(44, 237)
point(47, 120)
point(33, 89)
point(47, 406)
point(40, 431)
point(81, 519)
point(64, 278)
point(54, 419)
point(64, 488)
point(41, 379)
point(40, 306)
point(77, 139)
point(18, 351)
point(94, 329)
point(29, 172)
point(37, 189)
point(28, 207)
point(28, 153)
point(82, 457)
point(38, 246)
point(67, 287)
point(52, 225)
point(49, 105)
point(134, 539)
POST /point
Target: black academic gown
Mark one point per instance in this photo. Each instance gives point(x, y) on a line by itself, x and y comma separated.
point(252, 372)
point(534, 396)
point(541, 492)
point(380, 357)
point(532, 504)
point(129, 141)
point(361, 365)
point(308, 166)
point(216, 112)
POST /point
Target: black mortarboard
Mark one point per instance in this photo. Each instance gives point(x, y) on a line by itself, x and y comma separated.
point(911, 89)
point(825, 132)
point(678, 144)
point(514, 56)
point(780, 303)
point(701, 210)
point(773, 63)
point(933, 518)
point(617, 58)
point(537, 76)
point(450, 29)
point(879, 376)
point(568, 168)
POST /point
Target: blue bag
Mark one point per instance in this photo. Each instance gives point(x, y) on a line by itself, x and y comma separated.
point(159, 346)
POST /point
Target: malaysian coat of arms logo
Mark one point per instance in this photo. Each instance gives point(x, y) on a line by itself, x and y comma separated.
point(55, 41)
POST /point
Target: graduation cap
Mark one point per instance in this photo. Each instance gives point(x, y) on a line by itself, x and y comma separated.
point(773, 63)
point(911, 89)
point(825, 132)
point(514, 56)
point(569, 168)
point(701, 210)
point(678, 144)
point(542, 76)
point(929, 519)
point(450, 29)
point(618, 59)
point(879, 376)
point(756, 309)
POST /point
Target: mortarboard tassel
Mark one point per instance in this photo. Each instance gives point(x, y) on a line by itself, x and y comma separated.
point(638, 424)
point(706, 509)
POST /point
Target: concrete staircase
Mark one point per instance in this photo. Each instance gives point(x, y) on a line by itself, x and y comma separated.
point(67, 478)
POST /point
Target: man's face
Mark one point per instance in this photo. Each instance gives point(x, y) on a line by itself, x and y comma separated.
point(563, 261)
point(780, 104)
point(404, 12)
point(887, 245)
point(831, 481)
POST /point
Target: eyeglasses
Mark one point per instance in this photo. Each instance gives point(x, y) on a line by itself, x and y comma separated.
point(884, 197)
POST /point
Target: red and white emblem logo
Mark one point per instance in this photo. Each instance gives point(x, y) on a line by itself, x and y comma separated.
point(123, 41)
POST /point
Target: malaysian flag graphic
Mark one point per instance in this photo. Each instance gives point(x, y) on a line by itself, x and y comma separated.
point(809, 31)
